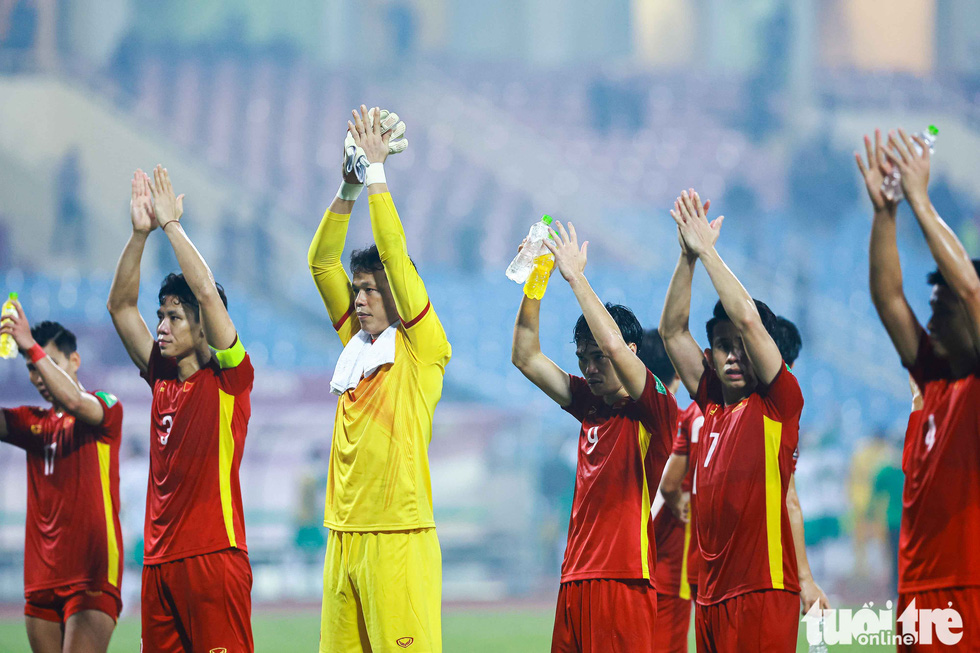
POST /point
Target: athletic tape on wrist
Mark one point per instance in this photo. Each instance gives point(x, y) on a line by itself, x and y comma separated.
point(349, 192)
point(36, 353)
point(375, 174)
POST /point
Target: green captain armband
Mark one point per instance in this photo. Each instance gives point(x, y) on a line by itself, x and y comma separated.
point(231, 357)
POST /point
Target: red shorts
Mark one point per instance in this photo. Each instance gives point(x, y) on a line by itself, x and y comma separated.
point(965, 600)
point(59, 603)
point(767, 621)
point(605, 616)
point(201, 603)
point(673, 623)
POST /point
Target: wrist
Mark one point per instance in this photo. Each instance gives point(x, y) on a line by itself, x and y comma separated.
point(35, 352)
point(920, 204)
point(375, 174)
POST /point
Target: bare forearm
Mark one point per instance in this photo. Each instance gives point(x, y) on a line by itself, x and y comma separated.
point(676, 315)
point(197, 274)
point(734, 297)
point(947, 250)
point(527, 342)
point(125, 288)
point(799, 538)
point(885, 267)
point(604, 329)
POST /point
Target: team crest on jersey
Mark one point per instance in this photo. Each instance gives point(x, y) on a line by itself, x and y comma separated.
point(109, 398)
point(69, 421)
point(219, 650)
point(36, 429)
point(405, 642)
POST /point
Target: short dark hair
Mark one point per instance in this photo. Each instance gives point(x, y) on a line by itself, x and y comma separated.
point(367, 260)
point(629, 326)
point(654, 355)
point(936, 278)
point(768, 319)
point(176, 286)
point(788, 340)
point(47, 332)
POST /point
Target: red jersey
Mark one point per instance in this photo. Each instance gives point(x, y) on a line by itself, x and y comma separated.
point(745, 457)
point(678, 555)
point(197, 436)
point(73, 534)
point(941, 461)
point(621, 456)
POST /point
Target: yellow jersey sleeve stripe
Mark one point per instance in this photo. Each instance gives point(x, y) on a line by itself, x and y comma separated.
point(226, 454)
point(231, 357)
point(685, 592)
point(105, 461)
point(774, 500)
point(643, 437)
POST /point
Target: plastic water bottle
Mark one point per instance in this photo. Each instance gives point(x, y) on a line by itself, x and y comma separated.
point(520, 268)
point(537, 281)
point(821, 646)
point(891, 187)
point(8, 348)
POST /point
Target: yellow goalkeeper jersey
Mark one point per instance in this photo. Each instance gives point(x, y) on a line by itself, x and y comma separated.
point(379, 463)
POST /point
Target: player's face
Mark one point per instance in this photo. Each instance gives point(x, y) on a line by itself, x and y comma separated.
point(597, 369)
point(374, 304)
point(949, 325)
point(67, 363)
point(178, 332)
point(729, 360)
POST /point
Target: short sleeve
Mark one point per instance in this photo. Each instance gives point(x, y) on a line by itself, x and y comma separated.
point(928, 366)
point(19, 421)
point(582, 398)
point(112, 415)
point(235, 371)
point(783, 395)
point(159, 367)
point(658, 411)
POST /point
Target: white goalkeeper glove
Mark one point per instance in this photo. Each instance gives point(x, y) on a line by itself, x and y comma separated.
point(390, 122)
point(354, 166)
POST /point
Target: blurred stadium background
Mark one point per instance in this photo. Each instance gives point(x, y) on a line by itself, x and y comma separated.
point(596, 112)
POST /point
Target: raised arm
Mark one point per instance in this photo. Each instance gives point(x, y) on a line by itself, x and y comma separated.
point(951, 258)
point(683, 350)
point(328, 271)
point(62, 387)
point(571, 260)
point(411, 298)
point(884, 266)
point(125, 289)
point(700, 236)
point(527, 357)
point(810, 591)
point(218, 327)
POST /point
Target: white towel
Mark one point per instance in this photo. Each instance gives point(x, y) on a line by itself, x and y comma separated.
point(362, 358)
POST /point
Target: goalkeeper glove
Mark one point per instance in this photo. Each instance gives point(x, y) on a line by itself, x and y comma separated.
point(354, 166)
point(390, 122)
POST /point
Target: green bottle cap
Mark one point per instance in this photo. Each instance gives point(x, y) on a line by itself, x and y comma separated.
point(13, 296)
point(933, 130)
point(547, 219)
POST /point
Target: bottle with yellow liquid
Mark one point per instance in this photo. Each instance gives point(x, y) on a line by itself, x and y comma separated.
point(537, 281)
point(8, 348)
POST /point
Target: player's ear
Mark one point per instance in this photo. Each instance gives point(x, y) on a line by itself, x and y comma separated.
point(74, 361)
point(708, 362)
point(632, 347)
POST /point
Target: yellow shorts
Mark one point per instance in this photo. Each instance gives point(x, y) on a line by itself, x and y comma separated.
point(382, 592)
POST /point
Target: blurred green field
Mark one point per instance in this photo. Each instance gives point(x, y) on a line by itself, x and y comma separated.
point(472, 631)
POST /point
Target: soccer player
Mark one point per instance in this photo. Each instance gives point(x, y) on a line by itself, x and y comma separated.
point(939, 563)
point(73, 552)
point(382, 576)
point(196, 574)
point(749, 586)
point(607, 601)
point(678, 556)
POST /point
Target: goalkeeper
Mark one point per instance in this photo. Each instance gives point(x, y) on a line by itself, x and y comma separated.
point(382, 576)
